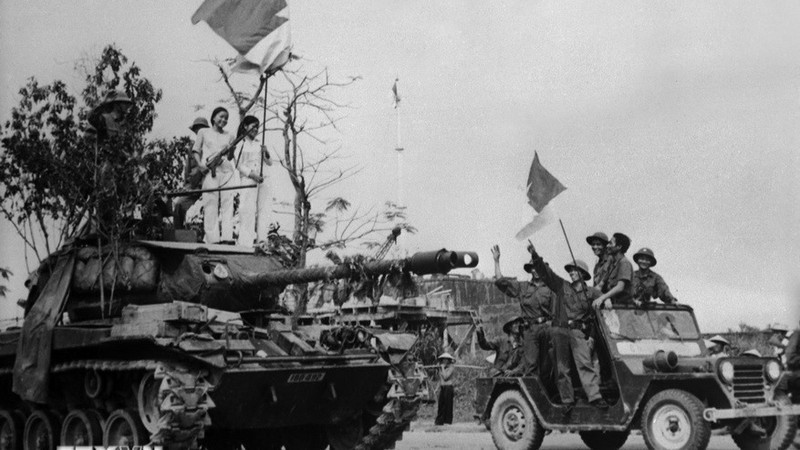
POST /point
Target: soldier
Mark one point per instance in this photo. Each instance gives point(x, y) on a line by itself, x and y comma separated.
point(571, 329)
point(183, 203)
point(506, 357)
point(444, 414)
point(790, 383)
point(779, 340)
point(648, 285)
point(618, 277)
point(107, 117)
point(719, 346)
point(598, 242)
point(535, 301)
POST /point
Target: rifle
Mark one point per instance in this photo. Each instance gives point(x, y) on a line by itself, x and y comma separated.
point(197, 174)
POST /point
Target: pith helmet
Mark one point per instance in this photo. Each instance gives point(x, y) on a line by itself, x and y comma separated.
point(199, 123)
point(599, 236)
point(446, 355)
point(708, 343)
point(110, 98)
point(582, 267)
point(752, 352)
point(777, 326)
point(719, 340)
point(507, 325)
point(645, 253)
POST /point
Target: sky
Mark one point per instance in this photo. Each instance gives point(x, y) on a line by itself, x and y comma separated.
point(676, 123)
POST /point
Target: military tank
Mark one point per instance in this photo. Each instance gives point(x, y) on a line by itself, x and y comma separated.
point(183, 345)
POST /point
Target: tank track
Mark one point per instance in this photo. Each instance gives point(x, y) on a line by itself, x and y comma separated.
point(395, 418)
point(180, 404)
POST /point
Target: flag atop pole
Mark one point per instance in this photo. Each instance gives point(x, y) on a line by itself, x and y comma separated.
point(257, 29)
point(394, 91)
point(542, 188)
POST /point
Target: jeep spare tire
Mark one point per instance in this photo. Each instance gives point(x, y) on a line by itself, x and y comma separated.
point(514, 425)
point(673, 420)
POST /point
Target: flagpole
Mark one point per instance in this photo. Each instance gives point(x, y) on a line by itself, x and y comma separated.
point(264, 123)
point(399, 150)
point(572, 255)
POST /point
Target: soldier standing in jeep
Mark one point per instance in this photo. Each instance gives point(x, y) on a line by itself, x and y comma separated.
point(648, 285)
point(619, 274)
point(535, 302)
point(571, 327)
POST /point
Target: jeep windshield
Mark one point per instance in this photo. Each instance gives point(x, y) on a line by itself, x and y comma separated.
point(643, 331)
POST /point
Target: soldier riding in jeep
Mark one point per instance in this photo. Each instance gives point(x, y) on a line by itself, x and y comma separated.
point(662, 385)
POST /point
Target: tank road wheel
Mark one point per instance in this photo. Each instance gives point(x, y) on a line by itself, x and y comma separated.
point(82, 428)
point(12, 425)
point(780, 431)
point(123, 428)
point(147, 402)
point(673, 420)
point(514, 424)
point(395, 418)
point(604, 440)
point(42, 431)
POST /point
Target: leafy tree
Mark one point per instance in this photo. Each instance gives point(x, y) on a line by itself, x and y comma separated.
point(304, 110)
point(59, 180)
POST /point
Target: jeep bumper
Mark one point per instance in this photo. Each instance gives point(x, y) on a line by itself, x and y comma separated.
point(714, 414)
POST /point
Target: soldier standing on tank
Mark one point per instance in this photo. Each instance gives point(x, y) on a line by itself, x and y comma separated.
point(570, 332)
point(183, 203)
point(618, 277)
point(599, 242)
point(648, 285)
point(536, 303)
point(506, 355)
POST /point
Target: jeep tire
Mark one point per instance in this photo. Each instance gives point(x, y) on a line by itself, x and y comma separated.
point(604, 440)
point(780, 430)
point(673, 420)
point(514, 425)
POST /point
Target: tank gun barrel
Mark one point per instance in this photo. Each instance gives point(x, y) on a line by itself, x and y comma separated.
point(421, 263)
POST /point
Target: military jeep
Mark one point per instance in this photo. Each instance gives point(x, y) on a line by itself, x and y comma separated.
point(659, 380)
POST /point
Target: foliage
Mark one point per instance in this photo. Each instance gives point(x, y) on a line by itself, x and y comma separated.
point(56, 178)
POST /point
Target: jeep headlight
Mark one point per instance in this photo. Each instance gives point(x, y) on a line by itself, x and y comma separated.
point(725, 370)
point(772, 370)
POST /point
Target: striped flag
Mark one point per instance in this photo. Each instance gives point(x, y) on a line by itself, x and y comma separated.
point(257, 29)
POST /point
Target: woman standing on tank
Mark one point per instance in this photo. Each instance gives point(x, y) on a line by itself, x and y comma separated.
point(218, 204)
point(253, 161)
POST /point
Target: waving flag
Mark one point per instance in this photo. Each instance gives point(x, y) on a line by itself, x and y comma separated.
point(257, 29)
point(542, 187)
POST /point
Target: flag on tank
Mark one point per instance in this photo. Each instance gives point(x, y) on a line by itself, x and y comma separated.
point(542, 187)
point(257, 29)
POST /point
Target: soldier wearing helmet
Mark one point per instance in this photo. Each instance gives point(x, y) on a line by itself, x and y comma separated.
point(535, 302)
point(648, 285)
point(109, 115)
point(616, 286)
point(507, 355)
point(599, 242)
point(571, 329)
point(779, 339)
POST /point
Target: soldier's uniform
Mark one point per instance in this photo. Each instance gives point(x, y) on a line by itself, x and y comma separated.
point(506, 354)
point(601, 267)
point(572, 316)
point(619, 269)
point(535, 301)
point(648, 285)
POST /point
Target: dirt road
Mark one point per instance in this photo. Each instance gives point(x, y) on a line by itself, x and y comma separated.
point(473, 437)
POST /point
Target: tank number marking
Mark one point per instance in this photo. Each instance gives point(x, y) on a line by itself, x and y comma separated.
point(311, 377)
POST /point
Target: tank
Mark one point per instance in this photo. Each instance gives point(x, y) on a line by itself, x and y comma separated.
point(185, 345)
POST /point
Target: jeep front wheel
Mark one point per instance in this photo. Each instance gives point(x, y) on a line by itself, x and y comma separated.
point(514, 424)
point(768, 433)
point(673, 420)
